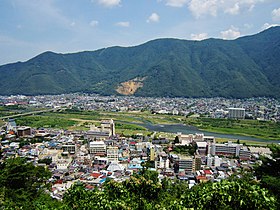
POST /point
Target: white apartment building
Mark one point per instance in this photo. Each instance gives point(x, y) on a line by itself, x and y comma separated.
point(113, 154)
point(213, 161)
point(186, 163)
point(97, 148)
point(236, 113)
point(230, 149)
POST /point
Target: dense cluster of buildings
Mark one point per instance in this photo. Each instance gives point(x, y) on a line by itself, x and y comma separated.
point(256, 108)
point(93, 156)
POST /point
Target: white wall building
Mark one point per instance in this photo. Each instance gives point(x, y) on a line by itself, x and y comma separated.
point(186, 163)
point(230, 149)
point(236, 113)
point(109, 126)
point(113, 154)
point(97, 148)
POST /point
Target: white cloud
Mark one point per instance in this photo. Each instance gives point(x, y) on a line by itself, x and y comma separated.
point(176, 3)
point(94, 23)
point(231, 33)
point(72, 24)
point(233, 10)
point(276, 14)
point(199, 36)
point(153, 18)
point(109, 3)
point(200, 8)
point(267, 25)
point(203, 7)
point(123, 24)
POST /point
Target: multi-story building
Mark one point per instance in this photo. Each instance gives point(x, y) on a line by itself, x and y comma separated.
point(24, 131)
point(225, 149)
point(11, 125)
point(69, 147)
point(213, 161)
point(162, 161)
point(236, 113)
point(97, 148)
point(113, 154)
point(197, 163)
point(202, 147)
point(245, 154)
point(152, 153)
point(105, 131)
point(97, 135)
point(108, 126)
point(230, 149)
point(209, 138)
point(217, 161)
point(186, 163)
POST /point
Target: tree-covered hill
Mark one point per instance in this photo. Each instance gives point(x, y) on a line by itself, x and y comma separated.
point(245, 67)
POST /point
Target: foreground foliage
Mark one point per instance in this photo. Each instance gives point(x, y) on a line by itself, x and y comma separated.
point(269, 171)
point(23, 187)
point(144, 192)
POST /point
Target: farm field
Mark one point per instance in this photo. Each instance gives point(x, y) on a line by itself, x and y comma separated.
point(129, 123)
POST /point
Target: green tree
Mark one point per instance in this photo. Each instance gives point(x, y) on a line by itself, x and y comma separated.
point(21, 183)
point(79, 198)
point(145, 191)
point(176, 140)
point(229, 195)
point(269, 171)
point(47, 161)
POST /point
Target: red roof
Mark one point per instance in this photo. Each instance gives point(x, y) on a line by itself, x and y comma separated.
point(60, 181)
point(209, 172)
point(95, 175)
point(201, 177)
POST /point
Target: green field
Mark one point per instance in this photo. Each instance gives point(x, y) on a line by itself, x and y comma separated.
point(125, 123)
point(10, 110)
point(260, 129)
point(82, 121)
point(16, 109)
point(45, 121)
point(247, 142)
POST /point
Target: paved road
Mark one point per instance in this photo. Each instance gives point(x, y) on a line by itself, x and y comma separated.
point(30, 113)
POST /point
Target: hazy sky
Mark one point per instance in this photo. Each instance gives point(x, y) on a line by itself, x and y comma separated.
point(30, 27)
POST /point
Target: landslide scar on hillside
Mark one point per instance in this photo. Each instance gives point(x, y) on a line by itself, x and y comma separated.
point(131, 86)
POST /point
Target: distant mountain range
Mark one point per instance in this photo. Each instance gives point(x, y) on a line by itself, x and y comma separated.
point(246, 67)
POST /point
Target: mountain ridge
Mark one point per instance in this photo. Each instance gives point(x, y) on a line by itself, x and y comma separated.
point(245, 67)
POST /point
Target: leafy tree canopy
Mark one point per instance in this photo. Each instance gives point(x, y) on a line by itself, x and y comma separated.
point(21, 183)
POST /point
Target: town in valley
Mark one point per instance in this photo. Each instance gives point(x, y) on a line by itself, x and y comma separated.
point(98, 153)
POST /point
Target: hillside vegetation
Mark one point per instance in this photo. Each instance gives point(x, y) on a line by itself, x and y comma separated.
point(245, 67)
point(23, 186)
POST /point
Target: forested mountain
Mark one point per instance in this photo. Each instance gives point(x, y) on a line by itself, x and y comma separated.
point(245, 67)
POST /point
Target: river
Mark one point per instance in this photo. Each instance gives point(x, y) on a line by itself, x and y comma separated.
point(185, 129)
